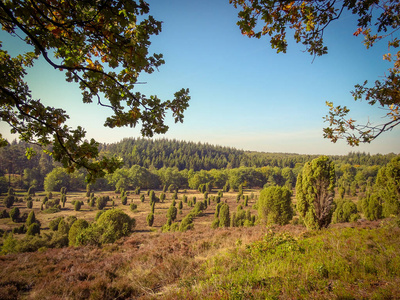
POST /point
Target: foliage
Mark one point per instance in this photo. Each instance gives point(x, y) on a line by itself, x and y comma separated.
point(150, 219)
point(133, 206)
point(186, 223)
point(346, 211)
point(14, 214)
point(88, 42)
point(53, 225)
point(275, 205)
point(388, 187)
point(124, 200)
point(172, 212)
point(224, 217)
point(315, 192)
point(372, 206)
point(33, 229)
point(9, 201)
point(75, 229)
point(31, 219)
point(77, 205)
point(101, 202)
point(307, 20)
point(109, 227)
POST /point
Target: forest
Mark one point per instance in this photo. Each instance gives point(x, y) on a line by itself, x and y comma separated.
point(152, 164)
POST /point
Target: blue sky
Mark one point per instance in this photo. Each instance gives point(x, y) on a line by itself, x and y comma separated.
point(244, 94)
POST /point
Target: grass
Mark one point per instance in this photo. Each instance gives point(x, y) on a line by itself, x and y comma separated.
point(346, 261)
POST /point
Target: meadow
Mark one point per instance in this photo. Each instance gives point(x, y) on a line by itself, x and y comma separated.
point(356, 260)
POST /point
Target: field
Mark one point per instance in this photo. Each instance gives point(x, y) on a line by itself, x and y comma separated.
point(346, 261)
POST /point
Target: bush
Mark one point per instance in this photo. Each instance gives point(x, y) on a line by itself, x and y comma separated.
point(172, 212)
point(31, 191)
point(75, 229)
point(101, 202)
point(77, 205)
point(162, 197)
point(187, 223)
point(133, 206)
point(150, 219)
point(33, 229)
point(4, 214)
point(9, 201)
point(31, 219)
point(142, 197)
point(184, 199)
point(372, 207)
point(63, 227)
point(109, 227)
point(124, 200)
point(345, 211)
point(275, 205)
point(53, 225)
point(224, 218)
point(14, 214)
point(29, 204)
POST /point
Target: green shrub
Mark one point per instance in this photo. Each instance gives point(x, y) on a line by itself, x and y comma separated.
point(9, 201)
point(224, 218)
point(75, 229)
point(187, 223)
point(184, 199)
point(372, 206)
point(150, 219)
point(133, 206)
point(63, 227)
point(162, 197)
point(101, 202)
point(14, 214)
point(124, 200)
point(29, 204)
point(172, 212)
point(142, 197)
point(31, 219)
point(275, 205)
point(109, 227)
point(345, 211)
point(33, 229)
point(77, 205)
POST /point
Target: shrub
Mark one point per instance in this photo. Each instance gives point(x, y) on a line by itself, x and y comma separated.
point(77, 205)
point(124, 200)
point(372, 207)
point(345, 211)
point(162, 197)
point(275, 205)
point(172, 188)
point(29, 204)
point(31, 191)
point(4, 214)
point(187, 223)
point(224, 218)
point(198, 208)
point(172, 212)
point(53, 225)
point(175, 196)
point(63, 227)
point(9, 201)
point(184, 199)
point(75, 229)
point(31, 219)
point(33, 229)
point(14, 214)
point(150, 219)
point(133, 206)
point(137, 191)
point(101, 202)
point(142, 197)
point(180, 205)
point(109, 227)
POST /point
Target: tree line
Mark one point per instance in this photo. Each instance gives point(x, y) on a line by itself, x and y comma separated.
point(157, 163)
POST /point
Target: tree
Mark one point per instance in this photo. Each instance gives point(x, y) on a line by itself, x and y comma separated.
point(315, 192)
point(346, 211)
point(76, 227)
point(89, 41)
point(275, 205)
point(377, 20)
point(56, 179)
point(150, 219)
point(14, 214)
point(172, 212)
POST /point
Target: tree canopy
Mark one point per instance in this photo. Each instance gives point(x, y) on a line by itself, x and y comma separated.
point(307, 20)
point(103, 46)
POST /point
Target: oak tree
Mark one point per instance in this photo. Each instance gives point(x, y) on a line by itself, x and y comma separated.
point(377, 20)
point(101, 45)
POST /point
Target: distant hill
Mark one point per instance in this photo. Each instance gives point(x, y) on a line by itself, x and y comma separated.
point(159, 153)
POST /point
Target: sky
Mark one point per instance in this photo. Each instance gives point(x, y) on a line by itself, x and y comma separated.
point(243, 94)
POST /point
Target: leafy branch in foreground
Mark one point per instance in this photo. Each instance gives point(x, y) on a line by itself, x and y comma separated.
point(103, 46)
point(377, 20)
